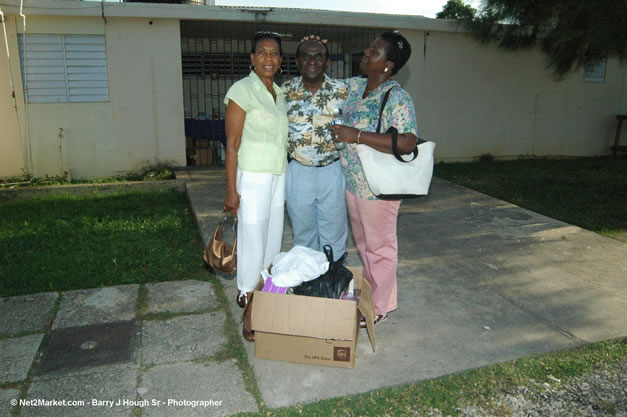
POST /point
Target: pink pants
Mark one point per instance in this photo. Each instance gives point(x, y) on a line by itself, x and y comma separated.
point(374, 228)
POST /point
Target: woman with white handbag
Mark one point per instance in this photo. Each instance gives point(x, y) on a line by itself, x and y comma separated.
point(374, 218)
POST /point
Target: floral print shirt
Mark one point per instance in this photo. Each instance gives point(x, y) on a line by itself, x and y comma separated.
point(363, 114)
point(309, 116)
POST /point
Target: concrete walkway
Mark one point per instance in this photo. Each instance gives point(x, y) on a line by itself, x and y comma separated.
point(481, 281)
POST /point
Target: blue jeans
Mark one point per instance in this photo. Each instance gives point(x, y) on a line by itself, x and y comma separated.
point(316, 204)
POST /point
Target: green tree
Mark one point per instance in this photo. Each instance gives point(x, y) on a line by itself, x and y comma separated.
point(456, 9)
point(571, 33)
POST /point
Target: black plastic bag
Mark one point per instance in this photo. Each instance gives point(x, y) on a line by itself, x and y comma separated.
point(332, 283)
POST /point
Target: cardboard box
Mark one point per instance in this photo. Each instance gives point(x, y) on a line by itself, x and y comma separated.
point(203, 156)
point(313, 330)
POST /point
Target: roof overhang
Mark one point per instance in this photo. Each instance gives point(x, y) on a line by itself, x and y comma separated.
point(226, 13)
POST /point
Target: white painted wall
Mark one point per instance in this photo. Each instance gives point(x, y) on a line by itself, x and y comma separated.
point(141, 125)
point(69, 137)
point(472, 99)
point(13, 148)
point(146, 91)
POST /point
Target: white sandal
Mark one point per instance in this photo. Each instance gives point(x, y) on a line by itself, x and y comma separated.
point(378, 319)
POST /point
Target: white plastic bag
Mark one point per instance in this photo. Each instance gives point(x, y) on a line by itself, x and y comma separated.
point(300, 264)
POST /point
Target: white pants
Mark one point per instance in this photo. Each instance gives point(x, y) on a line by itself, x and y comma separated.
point(259, 224)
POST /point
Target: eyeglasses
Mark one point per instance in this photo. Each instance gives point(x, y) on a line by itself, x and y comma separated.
point(267, 34)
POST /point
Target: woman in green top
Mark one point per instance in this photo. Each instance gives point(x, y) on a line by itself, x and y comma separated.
point(256, 162)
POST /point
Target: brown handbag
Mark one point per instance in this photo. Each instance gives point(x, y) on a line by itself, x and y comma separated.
point(219, 254)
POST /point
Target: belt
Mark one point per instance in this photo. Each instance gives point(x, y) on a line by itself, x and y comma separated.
point(315, 166)
point(322, 166)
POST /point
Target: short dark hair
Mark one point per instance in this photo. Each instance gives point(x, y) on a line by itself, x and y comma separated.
point(315, 39)
point(398, 50)
point(261, 35)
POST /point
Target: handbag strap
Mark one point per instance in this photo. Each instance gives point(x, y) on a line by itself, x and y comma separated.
point(385, 100)
point(328, 251)
point(393, 131)
point(228, 218)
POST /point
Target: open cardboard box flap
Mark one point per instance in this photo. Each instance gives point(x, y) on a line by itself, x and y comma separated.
point(313, 316)
point(366, 305)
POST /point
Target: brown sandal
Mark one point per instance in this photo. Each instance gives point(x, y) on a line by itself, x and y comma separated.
point(247, 332)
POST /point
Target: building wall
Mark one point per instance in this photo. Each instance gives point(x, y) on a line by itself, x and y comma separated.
point(13, 149)
point(141, 125)
point(473, 99)
point(69, 137)
point(146, 91)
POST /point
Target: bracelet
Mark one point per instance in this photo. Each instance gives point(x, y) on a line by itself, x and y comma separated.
point(358, 135)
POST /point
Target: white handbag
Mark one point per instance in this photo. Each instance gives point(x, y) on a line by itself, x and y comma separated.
point(391, 177)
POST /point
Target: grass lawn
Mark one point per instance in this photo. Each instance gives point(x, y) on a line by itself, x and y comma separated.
point(474, 387)
point(66, 242)
point(588, 192)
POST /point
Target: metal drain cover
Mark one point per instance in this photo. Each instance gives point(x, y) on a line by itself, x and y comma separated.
point(79, 347)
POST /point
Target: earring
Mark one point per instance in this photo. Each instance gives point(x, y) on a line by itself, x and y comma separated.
point(280, 71)
point(251, 67)
point(385, 70)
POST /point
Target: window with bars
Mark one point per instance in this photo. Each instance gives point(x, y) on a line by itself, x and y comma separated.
point(217, 54)
point(228, 65)
point(64, 68)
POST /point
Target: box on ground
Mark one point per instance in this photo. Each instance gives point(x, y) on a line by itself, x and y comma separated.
point(313, 330)
point(205, 156)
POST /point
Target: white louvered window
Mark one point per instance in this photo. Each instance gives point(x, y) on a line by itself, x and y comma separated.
point(65, 68)
point(595, 72)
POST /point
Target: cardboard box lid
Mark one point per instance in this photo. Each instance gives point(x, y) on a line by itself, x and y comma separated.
point(304, 316)
point(366, 305)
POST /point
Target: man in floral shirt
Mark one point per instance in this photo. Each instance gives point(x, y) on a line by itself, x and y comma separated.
point(316, 201)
